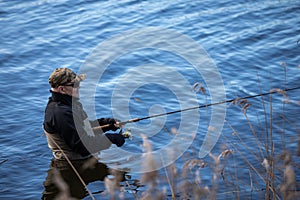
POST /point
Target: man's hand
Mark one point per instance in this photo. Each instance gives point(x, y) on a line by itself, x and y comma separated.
point(116, 139)
point(107, 124)
point(114, 124)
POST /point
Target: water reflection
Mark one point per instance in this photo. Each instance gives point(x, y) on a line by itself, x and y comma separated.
point(62, 181)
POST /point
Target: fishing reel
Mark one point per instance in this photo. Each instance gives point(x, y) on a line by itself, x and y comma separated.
point(126, 133)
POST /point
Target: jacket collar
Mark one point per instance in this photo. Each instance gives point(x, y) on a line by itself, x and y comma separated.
point(66, 99)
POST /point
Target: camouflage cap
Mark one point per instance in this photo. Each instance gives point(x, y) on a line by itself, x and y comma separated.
point(62, 76)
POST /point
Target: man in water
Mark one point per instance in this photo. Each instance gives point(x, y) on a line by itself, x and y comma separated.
point(72, 139)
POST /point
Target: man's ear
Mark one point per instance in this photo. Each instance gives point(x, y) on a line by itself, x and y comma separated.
point(60, 89)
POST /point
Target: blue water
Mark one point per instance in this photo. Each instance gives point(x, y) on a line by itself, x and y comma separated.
point(249, 41)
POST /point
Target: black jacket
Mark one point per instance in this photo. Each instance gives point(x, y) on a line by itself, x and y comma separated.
point(64, 122)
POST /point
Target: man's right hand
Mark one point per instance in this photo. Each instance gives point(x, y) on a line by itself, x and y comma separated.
point(116, 139)
point(113, 124)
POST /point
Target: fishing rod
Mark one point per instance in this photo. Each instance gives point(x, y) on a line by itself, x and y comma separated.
point(196, 107)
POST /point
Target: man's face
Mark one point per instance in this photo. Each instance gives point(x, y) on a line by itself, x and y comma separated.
point(71, 89)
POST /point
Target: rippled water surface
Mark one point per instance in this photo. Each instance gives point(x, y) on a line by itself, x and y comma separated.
point(253, 45)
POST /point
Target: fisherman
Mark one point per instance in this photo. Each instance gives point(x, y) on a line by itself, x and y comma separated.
point(71, 136)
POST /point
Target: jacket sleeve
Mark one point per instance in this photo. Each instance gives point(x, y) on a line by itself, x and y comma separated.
point(71, 128)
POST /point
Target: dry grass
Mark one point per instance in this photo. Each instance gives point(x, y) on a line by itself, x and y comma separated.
point(263, 165)
point(266, 173)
